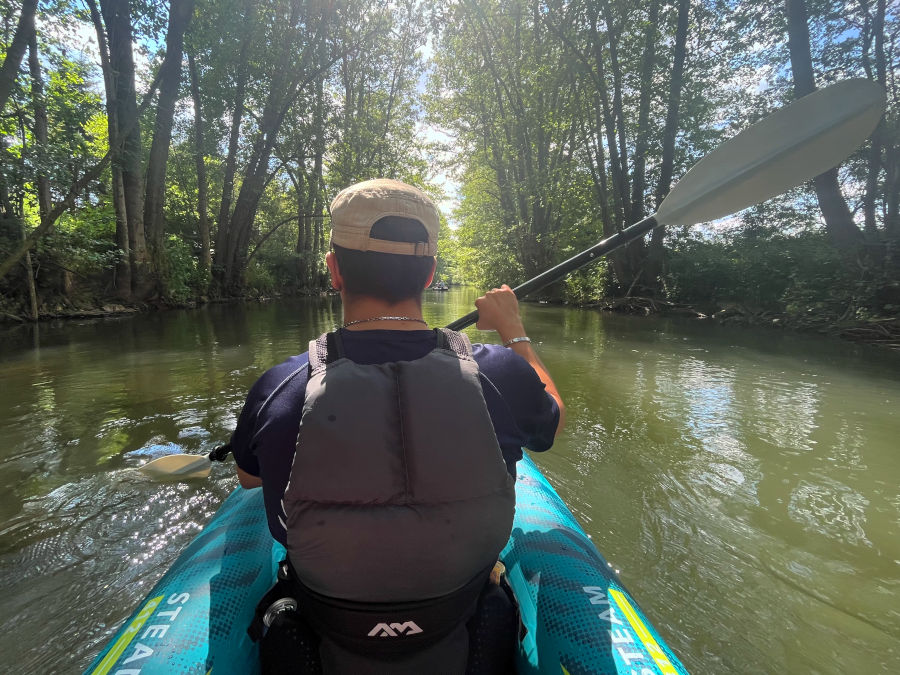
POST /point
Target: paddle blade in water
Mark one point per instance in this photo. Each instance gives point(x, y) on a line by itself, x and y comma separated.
point(798, 142)
point(177, 467)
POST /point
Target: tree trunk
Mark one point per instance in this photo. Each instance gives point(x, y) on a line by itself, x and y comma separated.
point(199, 154)
point(12, 223)
point(618, 112)
point(618, 259)
point(656, 253)
point(16, 50)
point(597, 164)
point(642, 142)
point(223, 221)
point(40, 151)
point(316, 185)
point(180, 12)
point(874, 31)
point(117, 16)
point(614, 224)
point(122, 280)
point(298, 180)
point(838, 220)
point(123, 242)
point(626, 262)
point(40, 126)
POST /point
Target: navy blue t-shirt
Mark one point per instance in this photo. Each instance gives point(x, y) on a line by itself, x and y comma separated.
point(264, 442)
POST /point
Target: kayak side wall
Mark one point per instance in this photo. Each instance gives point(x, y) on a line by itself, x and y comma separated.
point(196, 617)
point(578, 615)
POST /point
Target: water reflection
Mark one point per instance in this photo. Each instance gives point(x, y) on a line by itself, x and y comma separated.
point(737, 472)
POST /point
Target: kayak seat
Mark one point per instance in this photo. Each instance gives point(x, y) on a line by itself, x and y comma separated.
point(290, 645)
point(493, 631)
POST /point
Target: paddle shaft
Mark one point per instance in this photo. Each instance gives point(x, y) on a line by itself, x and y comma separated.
point(598, 250)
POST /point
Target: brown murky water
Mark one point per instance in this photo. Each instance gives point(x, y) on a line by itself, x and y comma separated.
point(745, 482)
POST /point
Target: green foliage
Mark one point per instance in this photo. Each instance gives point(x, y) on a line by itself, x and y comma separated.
point(77, 123)
point(278, 270)
point(261, 280)
point(519, 87)
point(800, 275)
point(503, 83)
point(184, 279)
point(82, 243)
point(587, 285)
point(447, 268)
point(484, 254)
point(375, 127)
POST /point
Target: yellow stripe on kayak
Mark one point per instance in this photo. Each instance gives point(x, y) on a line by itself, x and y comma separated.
point(665, 666)
point(125, 639)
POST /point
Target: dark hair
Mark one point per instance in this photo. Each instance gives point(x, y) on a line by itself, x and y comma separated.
point(387, 276)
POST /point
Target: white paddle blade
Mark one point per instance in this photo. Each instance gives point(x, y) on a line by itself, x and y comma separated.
point(178, 467)
point(811, 135)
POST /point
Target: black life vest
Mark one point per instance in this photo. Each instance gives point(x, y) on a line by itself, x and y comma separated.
point(398, 504)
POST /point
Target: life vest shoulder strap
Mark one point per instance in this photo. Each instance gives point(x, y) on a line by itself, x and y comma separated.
point(328, 347)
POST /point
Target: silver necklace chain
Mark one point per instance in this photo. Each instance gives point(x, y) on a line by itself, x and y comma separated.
point(385, 318)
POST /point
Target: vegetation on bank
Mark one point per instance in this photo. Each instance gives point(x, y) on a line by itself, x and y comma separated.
point(166, 153)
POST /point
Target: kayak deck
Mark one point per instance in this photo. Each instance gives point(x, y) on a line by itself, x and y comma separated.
point(578, 618)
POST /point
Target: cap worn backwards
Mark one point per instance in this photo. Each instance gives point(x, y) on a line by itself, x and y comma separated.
point(357, 208)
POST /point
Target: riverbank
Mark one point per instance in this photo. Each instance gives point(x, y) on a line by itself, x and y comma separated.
point(881, 331)
point(92, 309)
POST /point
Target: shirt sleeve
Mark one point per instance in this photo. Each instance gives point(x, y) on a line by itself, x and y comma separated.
point(534, 412)
point(244, 436)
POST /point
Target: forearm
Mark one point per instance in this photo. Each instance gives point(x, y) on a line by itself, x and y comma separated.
point(498, 310)
point(527, 352)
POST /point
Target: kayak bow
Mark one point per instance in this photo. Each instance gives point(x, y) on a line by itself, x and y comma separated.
point(577, 616)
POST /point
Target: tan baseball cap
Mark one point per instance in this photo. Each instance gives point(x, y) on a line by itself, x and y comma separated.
point(358, 207)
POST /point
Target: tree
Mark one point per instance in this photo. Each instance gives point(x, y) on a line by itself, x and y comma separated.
point(673, 104)
point(122, 278)
point(127, 150)
point(506, 88)
point(41, 141)
point(16, 50)
point(297, 66)
point(552, 95)
point(200, 159)
point(838, 219)
point(180, 12)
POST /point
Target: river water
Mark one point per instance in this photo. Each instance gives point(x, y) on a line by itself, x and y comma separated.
point(745, 482)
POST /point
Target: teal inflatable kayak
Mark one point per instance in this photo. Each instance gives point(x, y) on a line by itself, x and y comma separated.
point(577, 617)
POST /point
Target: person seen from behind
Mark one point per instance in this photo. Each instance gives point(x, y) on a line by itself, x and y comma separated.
point(386, 454)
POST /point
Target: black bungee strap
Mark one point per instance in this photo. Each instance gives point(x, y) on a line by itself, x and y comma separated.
point(363, 627)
